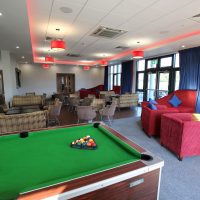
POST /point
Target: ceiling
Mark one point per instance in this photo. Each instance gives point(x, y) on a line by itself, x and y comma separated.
point(155, 26)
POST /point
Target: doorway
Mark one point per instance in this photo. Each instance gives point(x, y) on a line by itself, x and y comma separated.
point(65, 83)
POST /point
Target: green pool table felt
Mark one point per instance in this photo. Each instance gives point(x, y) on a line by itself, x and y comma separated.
point(46, 158)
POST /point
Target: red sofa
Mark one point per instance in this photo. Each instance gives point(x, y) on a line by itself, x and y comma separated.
point(180, 133)
point(151, 118)
point(95, 90)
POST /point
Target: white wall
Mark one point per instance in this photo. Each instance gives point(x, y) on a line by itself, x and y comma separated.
point(8, 65)
point(39, 80)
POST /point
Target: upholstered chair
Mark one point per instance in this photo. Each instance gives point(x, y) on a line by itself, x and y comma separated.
point(86, 101)
point(85, 113)
point(108, 111)
point(54, 112)
point(91, 96)
point(3, 105)
point(98, 104)
point(73, 103)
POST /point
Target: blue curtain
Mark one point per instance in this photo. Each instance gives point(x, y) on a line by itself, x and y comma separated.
point(106, 78)
point(127, 77)
point(190, 71)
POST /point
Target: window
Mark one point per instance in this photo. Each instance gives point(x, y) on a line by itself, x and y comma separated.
point(114, 76)
point(141, 65)
point(156, 77)
point(177, 79)
point(166, 62)
point(176, 60)
point(152, 63)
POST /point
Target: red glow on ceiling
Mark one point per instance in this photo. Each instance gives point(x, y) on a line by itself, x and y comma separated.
point(115, 57)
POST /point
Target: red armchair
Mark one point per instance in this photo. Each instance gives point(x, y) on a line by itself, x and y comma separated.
point(180, 133)
point(95, 90)
point(151, 119)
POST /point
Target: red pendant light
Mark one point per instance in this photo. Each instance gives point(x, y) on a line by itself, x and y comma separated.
point(103, 62)
point(138, 54)
point(58, 45)
point(49, 59)
point(86, 68)
point(45, 66)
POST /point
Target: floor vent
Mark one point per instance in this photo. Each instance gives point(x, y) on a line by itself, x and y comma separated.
point(106, 32)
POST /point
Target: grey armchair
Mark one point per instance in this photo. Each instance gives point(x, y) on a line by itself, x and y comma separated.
point(108, 111)
point(85, 113)
point(54, 112)
point(73, 103)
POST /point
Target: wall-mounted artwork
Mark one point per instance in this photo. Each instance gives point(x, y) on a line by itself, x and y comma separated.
point(1, 83)
point(18, 77)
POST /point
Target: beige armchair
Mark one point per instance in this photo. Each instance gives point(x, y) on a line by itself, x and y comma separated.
point(108, 111)
point(106, 94)
point(98, 104)
point(73, 103)
point(127, 100)
point(85, 113)
point(54, 112)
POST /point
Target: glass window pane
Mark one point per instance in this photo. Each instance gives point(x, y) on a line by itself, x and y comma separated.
point(166, 62)
point(151, 86)
point(111, 82)
point(115, 69)
point(140, 81)
point(120, 68)
point(177, 60)
point(115, 80)
point(151, 81)
point(152, 63)
point(118, 79)
point(140, 96)
point(164, 81)
point(140, 65)
point(111, 69)
point(177, 80)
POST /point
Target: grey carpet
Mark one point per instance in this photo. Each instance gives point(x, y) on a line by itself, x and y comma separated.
point(180, 180)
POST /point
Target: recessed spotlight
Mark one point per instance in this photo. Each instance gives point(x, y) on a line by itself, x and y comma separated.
point(23, 57)
point(17, 47)
point(66, 10)
point(1, 14)
point(183, 46)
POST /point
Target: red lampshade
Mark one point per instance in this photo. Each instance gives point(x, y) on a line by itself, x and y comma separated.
point(86, 68)
point(138, 54)
point(103, 62)
point(58, 45)
point(45, 66)
point(49, 59)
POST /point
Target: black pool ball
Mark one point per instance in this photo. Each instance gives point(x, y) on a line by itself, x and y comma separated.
point(23, 134)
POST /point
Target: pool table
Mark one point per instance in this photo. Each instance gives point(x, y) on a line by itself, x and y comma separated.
point(45, 166)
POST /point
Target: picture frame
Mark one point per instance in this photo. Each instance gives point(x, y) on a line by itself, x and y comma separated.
point(18, 77)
